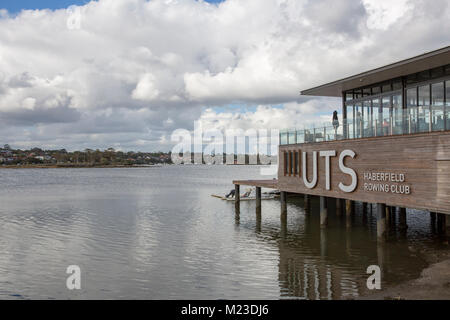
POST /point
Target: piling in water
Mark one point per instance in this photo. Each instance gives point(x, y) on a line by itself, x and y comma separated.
point(381, 220)
point(323, 212)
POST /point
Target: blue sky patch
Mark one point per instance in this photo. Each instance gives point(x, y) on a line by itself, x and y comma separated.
point(15, 6)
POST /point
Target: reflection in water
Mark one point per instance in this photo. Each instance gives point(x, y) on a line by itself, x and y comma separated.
point(156, 233)
point(258, 221)
point(331, 263)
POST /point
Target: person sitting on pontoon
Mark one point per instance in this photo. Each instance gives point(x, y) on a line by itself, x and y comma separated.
point(247, 193)
point(231, 194)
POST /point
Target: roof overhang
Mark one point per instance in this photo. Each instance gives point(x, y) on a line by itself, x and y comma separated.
point(419, 63)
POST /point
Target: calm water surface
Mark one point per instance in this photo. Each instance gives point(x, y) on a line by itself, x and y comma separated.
point(156, 233)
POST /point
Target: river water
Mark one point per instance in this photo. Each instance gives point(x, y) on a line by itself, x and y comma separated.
point(156, 233)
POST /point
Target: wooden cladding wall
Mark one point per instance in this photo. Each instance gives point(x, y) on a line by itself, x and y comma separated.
point(422, 160)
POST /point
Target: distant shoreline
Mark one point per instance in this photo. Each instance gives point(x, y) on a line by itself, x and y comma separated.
point(54, 166)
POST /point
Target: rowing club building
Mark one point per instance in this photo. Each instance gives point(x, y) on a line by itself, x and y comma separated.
point(391, 146)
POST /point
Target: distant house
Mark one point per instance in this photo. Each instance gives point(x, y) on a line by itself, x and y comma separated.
point(6, 153)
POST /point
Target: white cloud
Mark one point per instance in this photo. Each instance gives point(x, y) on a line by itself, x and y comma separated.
point(137, 69)
point(146, 88)
point(293, 115)
point(29, 103)
point(383, 13)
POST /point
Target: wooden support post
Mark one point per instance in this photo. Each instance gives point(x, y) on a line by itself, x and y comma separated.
point(348, 207)
point(447, 223)
point(381, 257)
point(283, 198)
point(444, 222)
point(323, 212)
point(307, 198)
point(441, 223)
point(387, 209)
point(381, 220)
point(258, 200)
point(237, 197)
point(402, 223)
point(338, 207)
point(283, 226)
point(348, 213)
point(364, 213)
point(433, 221)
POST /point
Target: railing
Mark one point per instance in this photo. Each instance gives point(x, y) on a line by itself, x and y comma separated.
point(412, 121)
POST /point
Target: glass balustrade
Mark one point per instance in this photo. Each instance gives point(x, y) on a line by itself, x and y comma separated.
point(397, 121)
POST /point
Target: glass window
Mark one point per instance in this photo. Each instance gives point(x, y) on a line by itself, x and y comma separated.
point(437, 94)
point(358, 120)
point(367, 119)
point(300, 136)
point(412, 78)
point(397, 114)
point(424, 75)
point(447, 105)
point(348, 96)
point(350, 121)
point(411, 97)
point(437, 106)
point(423, 110)
point(283, 137)
point(386, 87)
point(397, 84)
point(424, 95)
point(384, 116)
point(411, 103)
point(376, 90)
point(375, 116)
point(292, 137)
point(437, 72)
point(447, 93)
point(366, 92)
point(447, 69)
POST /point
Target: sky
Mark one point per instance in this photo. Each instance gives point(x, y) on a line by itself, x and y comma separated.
point(15, 6)
point(127, 73)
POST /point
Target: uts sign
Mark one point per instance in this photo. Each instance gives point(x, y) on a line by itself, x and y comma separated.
point(310, 175)
point(328, 155)
point(407, 171)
